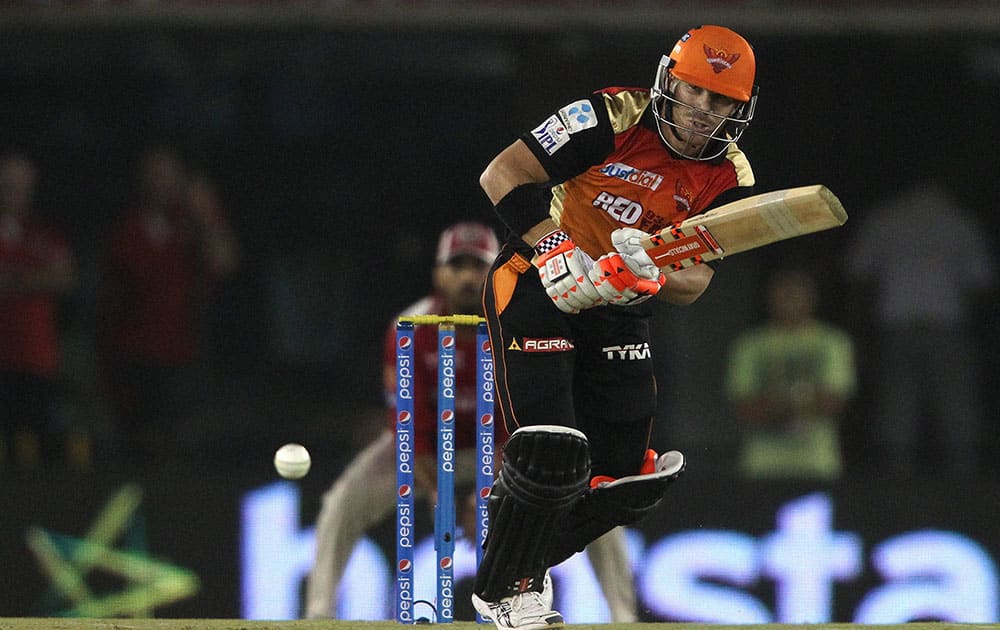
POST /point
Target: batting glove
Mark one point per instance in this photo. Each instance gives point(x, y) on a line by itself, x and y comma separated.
point(628, 242)
point(618, 284)
point(565, 272)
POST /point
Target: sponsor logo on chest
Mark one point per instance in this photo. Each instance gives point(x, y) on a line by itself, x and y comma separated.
point(632, 175)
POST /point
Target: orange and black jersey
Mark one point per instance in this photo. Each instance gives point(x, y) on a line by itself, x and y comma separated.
point(610, 169)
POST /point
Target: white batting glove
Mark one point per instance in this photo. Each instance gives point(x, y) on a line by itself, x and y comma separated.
point(628, 243)
point(618, 284)
point(565, 272)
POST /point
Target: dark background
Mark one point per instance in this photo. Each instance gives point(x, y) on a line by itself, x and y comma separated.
point(344, 136)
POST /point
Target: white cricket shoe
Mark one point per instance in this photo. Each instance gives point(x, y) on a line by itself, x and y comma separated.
point(523, 611)
point(548, 594)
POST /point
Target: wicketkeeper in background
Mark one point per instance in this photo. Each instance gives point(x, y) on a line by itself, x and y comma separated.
point(365, 493)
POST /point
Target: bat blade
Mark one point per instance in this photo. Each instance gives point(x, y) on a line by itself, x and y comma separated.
point(745, 224)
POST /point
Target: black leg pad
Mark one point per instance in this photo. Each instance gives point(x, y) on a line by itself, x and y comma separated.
point(544, 472)
point(622, 502)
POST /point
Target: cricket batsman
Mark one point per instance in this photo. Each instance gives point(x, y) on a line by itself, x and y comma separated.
point(567, 303)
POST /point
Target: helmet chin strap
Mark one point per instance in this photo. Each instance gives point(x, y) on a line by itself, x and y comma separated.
point(670, 138)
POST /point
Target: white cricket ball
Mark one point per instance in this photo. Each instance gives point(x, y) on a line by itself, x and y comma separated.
point(292, 461)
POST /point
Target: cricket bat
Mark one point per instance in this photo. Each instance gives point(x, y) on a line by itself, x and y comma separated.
point(745, 224)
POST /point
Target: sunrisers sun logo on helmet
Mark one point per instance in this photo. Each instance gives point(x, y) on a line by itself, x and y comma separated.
point(719, 59)
point(715, 58)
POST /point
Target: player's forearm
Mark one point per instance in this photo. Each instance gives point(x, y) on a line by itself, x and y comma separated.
point(425, 472)
point(686, 286)
point(535, 234)
point(764, 411)
point(827, 404)
point(776, 410)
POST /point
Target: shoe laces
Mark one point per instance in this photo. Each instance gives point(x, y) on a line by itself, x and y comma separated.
point(528, 600)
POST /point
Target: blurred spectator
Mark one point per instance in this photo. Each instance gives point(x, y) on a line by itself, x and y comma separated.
point(926, 261)
point(162, 259)
point(36, 270)
point(789, 379)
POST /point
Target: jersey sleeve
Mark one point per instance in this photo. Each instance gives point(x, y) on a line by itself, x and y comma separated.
point(572, 139)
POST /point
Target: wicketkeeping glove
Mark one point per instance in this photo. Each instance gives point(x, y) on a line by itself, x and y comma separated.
point(565, 272)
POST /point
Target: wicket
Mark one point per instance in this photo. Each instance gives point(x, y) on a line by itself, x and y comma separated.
point(444, 510)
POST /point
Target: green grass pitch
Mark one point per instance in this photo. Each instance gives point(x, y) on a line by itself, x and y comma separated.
point(236, 624)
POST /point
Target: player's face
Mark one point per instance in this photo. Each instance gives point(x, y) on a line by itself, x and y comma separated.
point(792, 297)
point(460, 281)
point(698, 115)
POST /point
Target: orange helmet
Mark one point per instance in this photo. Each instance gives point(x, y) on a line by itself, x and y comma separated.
point(717, 59)
point(712, 58)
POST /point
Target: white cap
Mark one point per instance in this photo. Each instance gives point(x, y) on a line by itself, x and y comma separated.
point(469, 239)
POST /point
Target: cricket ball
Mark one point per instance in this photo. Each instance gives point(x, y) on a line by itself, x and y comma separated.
point(292, 461)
